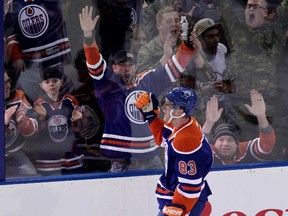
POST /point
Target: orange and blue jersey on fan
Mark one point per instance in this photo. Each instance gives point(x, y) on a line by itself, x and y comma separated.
point(250, 151)
point(125, 133)
point(39, 33)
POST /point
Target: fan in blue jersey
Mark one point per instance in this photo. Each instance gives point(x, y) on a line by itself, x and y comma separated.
point(87, 140)
point(127, 139)
point(52, 148)
point(20, 123)
point(38, 35)
point(182, 189)
point(36, 38)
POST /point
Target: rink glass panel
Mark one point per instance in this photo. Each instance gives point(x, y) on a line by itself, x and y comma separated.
point(80, 151)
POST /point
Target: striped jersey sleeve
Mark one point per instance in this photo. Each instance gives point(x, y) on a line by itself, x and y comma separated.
point(94, 60)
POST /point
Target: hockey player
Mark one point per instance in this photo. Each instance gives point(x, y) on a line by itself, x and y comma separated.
point(20, 123)
point(182, 189)
point(126, 137)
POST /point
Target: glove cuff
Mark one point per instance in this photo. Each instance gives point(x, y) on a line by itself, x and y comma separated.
point(149, 116)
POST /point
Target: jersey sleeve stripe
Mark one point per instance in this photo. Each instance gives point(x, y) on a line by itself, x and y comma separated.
point(177, 64)
point(97, 72)
point(94, 61)
point(190, 189)
point(190, 181)
point(190, 195)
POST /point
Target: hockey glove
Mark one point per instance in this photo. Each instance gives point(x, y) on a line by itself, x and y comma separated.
point(173, 210)
point(148, 106)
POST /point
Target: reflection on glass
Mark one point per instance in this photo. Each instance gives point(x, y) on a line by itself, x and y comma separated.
point(85, 120)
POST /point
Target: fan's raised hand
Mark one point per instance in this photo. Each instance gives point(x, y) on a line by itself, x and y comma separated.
point(87, 23)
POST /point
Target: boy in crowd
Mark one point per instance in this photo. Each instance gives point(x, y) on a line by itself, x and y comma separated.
point(51, 149)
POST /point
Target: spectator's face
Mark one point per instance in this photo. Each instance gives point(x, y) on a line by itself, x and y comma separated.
point(138, 40)
point(7, 85)
point(226, 147)
point(170, 24)
point(51, 86)
point(255, 13)
point(126, 70)
point(211, 40)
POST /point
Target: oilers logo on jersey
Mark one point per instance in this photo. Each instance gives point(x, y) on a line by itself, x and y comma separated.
point(58, 128)
point(12, 134)
point(33, 21)
point(131, 111)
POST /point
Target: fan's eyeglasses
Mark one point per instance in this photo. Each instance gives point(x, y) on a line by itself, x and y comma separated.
point(254, 6)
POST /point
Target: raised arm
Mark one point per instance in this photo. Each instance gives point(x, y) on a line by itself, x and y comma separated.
point(258, 108)
point(96, 64)
point(198, 54)
point(213, 114)
point(267, 135)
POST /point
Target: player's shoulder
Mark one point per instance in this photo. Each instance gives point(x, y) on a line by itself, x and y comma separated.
point(189, 139)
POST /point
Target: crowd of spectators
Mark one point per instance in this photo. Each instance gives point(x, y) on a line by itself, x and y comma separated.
point(72, 74)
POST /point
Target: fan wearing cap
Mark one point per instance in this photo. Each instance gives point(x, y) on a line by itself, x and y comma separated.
point(56, 117)
point(182, 189)
point(127, 140)
point(124, 65)
point(215, 52)
point(211, 82)
point(227, 148)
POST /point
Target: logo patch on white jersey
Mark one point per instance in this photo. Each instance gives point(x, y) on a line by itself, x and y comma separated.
point(58, 128)
point(33, 21)
point(131, 111)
